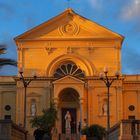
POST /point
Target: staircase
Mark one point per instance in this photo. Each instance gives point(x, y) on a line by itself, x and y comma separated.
point(69, 137)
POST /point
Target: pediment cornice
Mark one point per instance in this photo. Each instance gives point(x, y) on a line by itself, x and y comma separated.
point(69, 26)
point(68, 80)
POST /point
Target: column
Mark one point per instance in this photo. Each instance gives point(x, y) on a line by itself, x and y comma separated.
point(125, 130)
point(1, 105)
point(19, 104)
point(120, 102)
point(57, 125)
point(20, 59)
point(117, 114)
point(81, 112)
point(50, 90)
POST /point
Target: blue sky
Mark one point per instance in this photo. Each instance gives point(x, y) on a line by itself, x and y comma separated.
point(121, 16)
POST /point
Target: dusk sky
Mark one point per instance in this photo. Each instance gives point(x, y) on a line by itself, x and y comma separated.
point(121, 16)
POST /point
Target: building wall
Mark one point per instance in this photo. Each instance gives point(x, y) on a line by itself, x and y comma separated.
point(91, 59)
point(7, 97)
point(123, 94)
point(70, 38)
point(38, 93)
point(131, 96)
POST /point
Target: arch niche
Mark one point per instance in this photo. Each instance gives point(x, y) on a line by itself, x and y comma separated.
point(69, 96)
point(68, 100)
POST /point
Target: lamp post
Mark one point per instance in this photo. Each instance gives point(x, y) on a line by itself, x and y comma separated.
point(108, 82)
point(25, 84)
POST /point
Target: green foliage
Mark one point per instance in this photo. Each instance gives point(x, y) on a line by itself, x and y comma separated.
point(94, 130)
point(47, 120)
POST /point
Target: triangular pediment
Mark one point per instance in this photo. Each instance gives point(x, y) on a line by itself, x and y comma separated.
point(68, 25)
point(68, 80)
point(33, 94)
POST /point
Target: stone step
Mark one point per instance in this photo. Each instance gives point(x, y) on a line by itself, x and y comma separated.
point(69, 137)
point(30, 137)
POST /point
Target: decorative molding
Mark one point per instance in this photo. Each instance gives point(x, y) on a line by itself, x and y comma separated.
point(70, 28)
point(104, 94)
point(91, 44)
point(50, 50)
point(69, 50)
point(49, 43)
point(91, 49)
point(81, 100)
point(19, 49)
point(132, 82)
point(33, 94)
point(25, 49)
point(117, 47)
point(19, 44)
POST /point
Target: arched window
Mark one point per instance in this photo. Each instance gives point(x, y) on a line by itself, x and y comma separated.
point(69, 68)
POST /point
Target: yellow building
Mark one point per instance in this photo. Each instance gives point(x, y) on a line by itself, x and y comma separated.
point(68, 53)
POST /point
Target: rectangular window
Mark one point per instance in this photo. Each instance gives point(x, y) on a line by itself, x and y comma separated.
point(131, 117)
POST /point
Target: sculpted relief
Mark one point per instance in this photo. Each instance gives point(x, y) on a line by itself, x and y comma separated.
point(70, 28)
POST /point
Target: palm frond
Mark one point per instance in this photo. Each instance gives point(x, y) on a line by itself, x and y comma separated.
point(6, 61)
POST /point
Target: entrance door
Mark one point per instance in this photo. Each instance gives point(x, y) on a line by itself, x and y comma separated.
point(73, 119)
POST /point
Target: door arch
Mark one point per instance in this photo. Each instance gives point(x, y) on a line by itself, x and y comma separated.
point(69, 101)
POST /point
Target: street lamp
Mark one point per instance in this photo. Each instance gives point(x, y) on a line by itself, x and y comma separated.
point(25, 84)
point(108, 82)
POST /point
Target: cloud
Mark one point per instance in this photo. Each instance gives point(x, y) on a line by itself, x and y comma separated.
point(133, 33)
point(9, 44)
point(8, 70)
point(130, 64)
point(30, 21)
point(97, 4)
point(131, 10)
point(6, 9)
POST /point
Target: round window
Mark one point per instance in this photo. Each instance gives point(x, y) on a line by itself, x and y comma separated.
point(131, 107)
point(7, 107)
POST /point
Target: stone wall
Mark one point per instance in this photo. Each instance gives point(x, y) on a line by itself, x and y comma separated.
point(11, 131)
point(125, 130)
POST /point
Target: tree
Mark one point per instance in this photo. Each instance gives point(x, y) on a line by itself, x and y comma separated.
point(6, 61)
point(94, 130)
point(47, 120)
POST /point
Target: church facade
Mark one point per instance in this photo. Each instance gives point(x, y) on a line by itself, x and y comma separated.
point(68, 53)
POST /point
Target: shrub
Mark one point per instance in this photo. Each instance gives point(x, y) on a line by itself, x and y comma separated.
point(94, 130)
point(47, 120)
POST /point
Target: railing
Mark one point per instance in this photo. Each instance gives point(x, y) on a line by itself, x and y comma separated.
point(11, 131)
point(125, 130)
point(114, 132)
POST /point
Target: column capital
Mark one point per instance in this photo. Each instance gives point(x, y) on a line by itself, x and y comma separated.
point(81, 100)
point(55, 99)
point(56, 102)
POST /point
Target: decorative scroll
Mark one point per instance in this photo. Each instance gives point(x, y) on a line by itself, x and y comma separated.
point(50, 50)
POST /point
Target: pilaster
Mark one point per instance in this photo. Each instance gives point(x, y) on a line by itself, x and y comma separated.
point(81, 101)
point(1, 105)
point(20, 105)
